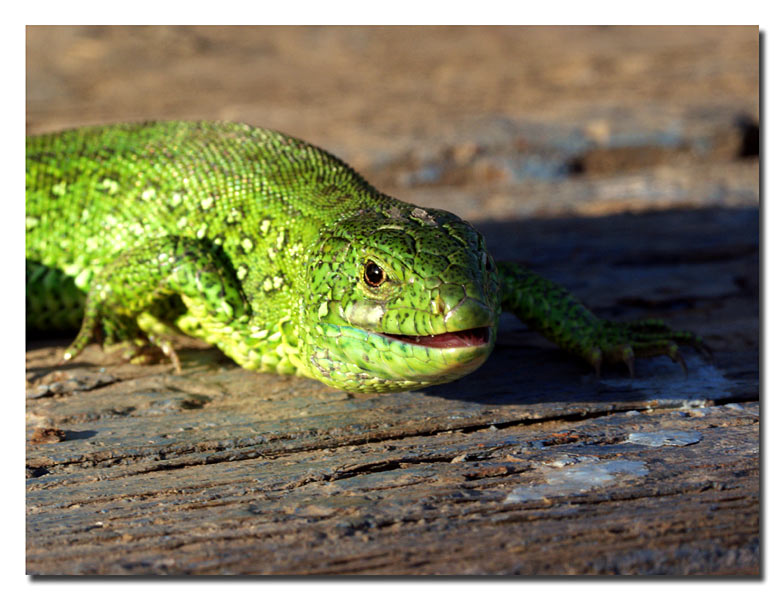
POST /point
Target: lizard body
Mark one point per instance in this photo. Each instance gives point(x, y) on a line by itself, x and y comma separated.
point(282, 256)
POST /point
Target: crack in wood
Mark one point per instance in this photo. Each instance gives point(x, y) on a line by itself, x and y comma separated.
point(233, 451)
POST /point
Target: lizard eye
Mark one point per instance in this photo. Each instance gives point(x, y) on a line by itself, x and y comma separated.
point(374, 275)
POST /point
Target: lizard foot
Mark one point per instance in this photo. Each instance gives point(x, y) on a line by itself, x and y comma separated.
point(154, 351)
point(625, 342)
point(138, 344)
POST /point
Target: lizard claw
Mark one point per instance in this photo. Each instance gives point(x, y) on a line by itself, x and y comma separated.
point(627, 355)
point(594, 357)
point(677, 357)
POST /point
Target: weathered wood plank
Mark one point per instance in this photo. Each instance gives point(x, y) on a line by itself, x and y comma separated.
point(554, 497)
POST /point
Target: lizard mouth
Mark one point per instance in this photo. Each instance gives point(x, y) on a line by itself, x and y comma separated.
point(467, 338)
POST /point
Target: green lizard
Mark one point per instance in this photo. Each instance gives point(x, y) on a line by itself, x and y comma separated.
point(280, 255)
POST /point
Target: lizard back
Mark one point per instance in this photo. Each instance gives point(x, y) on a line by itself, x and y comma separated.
point(261, 196)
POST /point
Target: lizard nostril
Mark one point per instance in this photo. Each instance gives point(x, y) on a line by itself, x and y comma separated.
point(488, 264)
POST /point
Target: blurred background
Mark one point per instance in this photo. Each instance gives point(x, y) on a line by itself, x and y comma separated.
point(493, 123)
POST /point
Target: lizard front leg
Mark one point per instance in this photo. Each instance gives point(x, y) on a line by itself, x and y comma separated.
point(127, 298)
point(560, 317)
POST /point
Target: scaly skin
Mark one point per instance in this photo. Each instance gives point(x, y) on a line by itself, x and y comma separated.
point(280, 255)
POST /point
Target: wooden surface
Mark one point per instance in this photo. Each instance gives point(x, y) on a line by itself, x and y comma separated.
point(621, 163)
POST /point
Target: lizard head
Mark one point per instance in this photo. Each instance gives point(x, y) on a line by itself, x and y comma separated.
point(399, 298)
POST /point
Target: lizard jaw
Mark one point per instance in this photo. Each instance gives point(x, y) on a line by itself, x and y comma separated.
point(360, 359)
point(466, 338)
